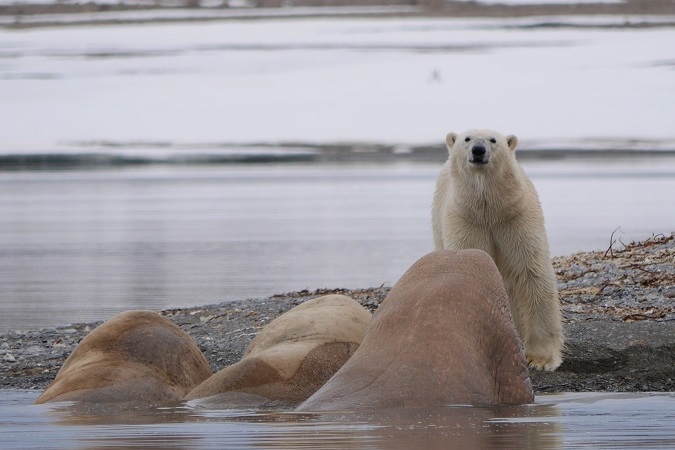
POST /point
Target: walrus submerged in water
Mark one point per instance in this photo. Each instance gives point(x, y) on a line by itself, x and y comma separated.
point(444, 335)
point(137, 356)
point(291, 357)
point(141, 357)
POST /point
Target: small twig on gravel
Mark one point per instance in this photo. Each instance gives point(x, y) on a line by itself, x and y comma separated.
point(638, 267)
point(609, 283)
point(242, 331)
point(637, 317)
point(611, 244)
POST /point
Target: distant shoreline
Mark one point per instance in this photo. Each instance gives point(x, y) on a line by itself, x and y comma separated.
point(30, 15)
point(109, 156)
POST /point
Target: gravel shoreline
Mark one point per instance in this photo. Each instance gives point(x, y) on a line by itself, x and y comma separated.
point(18, 14)
point(618, 307)
point(457, 8)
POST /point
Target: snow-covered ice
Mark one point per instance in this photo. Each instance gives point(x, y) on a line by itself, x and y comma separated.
point(383, 80)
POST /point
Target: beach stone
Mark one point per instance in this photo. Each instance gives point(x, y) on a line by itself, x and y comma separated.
point(34, 350)
point(292, 356)
point(444, 335)
point(137, 356)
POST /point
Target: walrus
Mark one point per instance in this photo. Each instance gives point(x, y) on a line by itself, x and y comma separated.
point(291, 357)
point(137, 356)
point(444, 335)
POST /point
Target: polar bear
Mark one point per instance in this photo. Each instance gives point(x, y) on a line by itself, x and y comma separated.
point(484, 200)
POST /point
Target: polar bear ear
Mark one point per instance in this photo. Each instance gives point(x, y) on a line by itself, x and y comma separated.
point(450, 139)
point(511, 141)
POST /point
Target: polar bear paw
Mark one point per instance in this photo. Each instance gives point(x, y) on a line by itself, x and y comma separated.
point(544, 362)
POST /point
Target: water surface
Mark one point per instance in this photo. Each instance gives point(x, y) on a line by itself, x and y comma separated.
point(570, 421)
point(83, 245)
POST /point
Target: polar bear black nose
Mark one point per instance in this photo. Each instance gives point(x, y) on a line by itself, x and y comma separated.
point(478, 151)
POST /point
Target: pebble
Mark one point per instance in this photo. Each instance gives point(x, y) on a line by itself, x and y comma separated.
point(34, 350)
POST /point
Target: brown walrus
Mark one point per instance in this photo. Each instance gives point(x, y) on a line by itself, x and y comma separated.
point(444, 335)
point(292, 357)
point(137, 356)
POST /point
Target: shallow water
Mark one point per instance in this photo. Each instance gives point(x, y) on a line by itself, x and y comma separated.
point(556, 421)
point(82, 245)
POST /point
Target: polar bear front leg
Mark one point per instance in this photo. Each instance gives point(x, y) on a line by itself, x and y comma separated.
point(536, 311)
point(530, 281)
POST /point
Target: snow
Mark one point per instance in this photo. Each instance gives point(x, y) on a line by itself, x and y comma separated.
point(336, 80)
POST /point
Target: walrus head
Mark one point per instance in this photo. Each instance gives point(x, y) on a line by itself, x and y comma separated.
point(444, 335)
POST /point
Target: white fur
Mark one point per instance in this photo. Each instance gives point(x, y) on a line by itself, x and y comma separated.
point(494, 207)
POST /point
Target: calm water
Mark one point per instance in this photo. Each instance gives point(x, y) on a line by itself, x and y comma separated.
point(570, 421)
point(83, 245)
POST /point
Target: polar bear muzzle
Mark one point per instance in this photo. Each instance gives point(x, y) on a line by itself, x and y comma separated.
point(479, 152)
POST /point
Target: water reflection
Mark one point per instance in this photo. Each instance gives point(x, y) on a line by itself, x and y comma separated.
point(178, 426)
point(461, 427)
point(572, 420)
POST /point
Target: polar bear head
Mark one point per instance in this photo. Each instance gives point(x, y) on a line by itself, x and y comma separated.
point(480, 148)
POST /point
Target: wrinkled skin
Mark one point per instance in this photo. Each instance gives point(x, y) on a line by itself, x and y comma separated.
point(444, 335)
point(137, 356)
point(292, 357)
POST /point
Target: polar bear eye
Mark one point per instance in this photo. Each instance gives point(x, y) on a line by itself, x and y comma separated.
point(467, 139)
point(493, 140)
